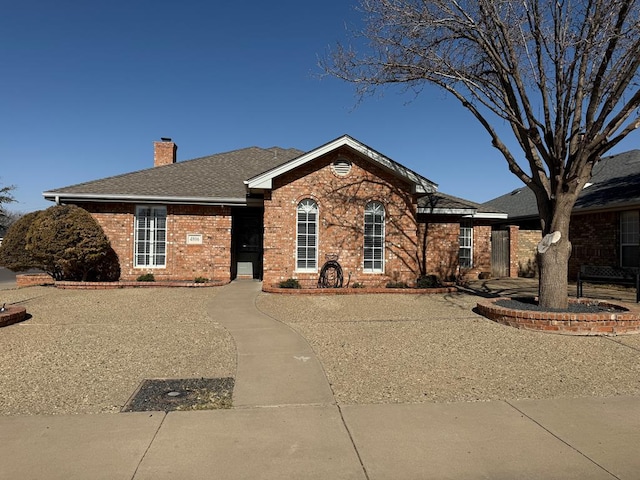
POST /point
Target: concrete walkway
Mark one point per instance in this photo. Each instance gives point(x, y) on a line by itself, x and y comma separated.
point(276, 366)
point(285, 424)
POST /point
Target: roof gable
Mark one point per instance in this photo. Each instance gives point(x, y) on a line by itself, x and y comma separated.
point(264, 180)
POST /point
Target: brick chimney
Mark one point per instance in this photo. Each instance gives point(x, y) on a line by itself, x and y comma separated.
point(164, 152)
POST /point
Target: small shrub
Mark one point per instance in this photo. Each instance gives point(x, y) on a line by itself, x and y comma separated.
point(357, 285)
point(397, 285)
point(428, 281)
point(290, 283)
point(147, 277)
point(201, 280)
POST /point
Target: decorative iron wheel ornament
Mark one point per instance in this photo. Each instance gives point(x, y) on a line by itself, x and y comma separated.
point(331, 273)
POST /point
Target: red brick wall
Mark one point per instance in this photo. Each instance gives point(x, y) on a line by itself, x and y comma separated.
point(341, 203)
point(211, 259)
point(481, 250)
point(595, 240)
point(443, 245)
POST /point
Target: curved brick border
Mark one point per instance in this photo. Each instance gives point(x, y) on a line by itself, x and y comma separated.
point(355, 291)
point(12, 314)
point(606, 323)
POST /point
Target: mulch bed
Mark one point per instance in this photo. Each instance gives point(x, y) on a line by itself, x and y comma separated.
point(529, 303)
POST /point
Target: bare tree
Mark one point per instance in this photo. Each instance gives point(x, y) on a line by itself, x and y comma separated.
point(563, 74)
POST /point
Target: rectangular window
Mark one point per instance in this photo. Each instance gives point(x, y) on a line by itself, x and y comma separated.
point(630, 239)
point(465, 254)
point(150, 237)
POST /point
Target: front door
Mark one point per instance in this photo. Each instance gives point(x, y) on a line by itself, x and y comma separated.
point(246, 239)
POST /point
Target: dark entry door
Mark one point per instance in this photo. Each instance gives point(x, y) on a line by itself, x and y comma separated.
point(246, 238)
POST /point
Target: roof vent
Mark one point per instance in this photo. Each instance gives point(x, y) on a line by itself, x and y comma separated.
point(341, 167)
point(515, 192)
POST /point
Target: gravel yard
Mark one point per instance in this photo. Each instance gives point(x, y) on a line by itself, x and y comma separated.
point(407, 348)
point(86, 351)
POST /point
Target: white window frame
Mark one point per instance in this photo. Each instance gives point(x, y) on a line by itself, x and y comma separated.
point(374, 238)
point(307, 242)
point(154, 248)
point(465, 241)
point(629, 233)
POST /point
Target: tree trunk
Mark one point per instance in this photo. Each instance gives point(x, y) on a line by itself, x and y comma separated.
point(554, 262)
point(554, 267)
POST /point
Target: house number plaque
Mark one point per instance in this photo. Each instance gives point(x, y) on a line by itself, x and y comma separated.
point(194, 239)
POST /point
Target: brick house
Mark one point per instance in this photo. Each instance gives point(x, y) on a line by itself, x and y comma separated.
point(605, 223)
point(277, 213)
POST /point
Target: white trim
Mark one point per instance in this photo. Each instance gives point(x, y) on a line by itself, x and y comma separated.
point(370, 209)
point(447, 211)
point(496, 216)
point(264, 181)
point(91, 197)
point(316, 235)
point(151, 242)
point(466, 226)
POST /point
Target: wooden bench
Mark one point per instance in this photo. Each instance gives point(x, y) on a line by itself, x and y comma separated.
point(609, 275)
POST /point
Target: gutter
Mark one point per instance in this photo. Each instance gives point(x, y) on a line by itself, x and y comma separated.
point(59, 198)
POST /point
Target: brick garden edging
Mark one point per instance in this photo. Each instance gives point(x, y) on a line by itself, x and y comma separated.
point(355, 291)
point(33, 279)
point(36, 279)
point(115, 285)
point(12, 314)
point(605, 323)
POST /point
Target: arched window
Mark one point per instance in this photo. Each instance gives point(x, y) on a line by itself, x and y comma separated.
point(374, 237)
point(307, 236)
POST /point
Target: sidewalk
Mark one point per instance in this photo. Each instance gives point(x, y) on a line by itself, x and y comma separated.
point(285, 424)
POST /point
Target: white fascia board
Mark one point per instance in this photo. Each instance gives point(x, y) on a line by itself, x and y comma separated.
point(490, 216)
point(264, 180)
point(447, 211)
point(85, 197)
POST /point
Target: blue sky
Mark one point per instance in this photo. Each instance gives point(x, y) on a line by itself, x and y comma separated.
point(87, 87)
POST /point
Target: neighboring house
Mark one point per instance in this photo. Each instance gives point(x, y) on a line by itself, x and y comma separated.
point(280, 213)
point(605, 223)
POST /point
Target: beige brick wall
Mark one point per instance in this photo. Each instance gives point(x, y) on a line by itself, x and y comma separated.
point(526, 250)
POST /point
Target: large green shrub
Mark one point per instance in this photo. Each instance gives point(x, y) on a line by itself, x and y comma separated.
point(69, 244)
point(13, 252)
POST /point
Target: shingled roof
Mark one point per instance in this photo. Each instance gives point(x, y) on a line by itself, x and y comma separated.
point(215, 179)
point(615, 184)
point(441, 203)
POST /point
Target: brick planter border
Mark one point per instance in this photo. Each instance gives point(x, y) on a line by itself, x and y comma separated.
point(33, 279)
point(115, 285)
point(605, 323)
point(36, 279)
point(355, 291)
point(12, 314)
